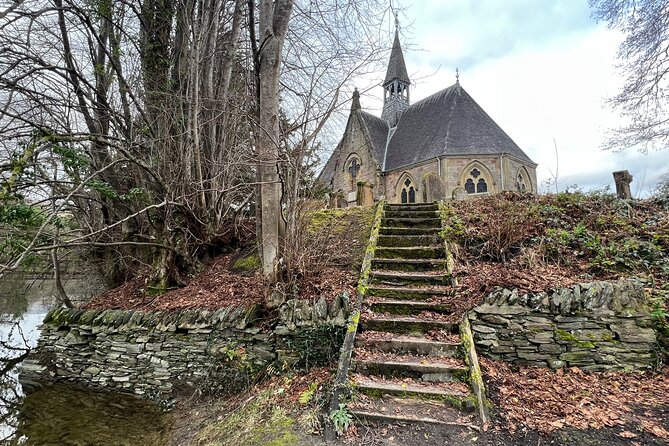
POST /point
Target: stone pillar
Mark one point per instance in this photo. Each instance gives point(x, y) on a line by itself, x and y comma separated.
point(623, 180)
point(365, 194)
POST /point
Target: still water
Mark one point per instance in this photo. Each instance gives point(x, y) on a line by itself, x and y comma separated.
point(62, 414)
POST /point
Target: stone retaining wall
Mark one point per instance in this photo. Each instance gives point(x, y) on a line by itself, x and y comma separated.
point(157, 353)
point(595, 326)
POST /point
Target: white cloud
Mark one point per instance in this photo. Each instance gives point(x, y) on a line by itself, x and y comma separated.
point(548, 74)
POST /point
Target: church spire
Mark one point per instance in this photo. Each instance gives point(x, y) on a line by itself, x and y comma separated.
point(397, 69)
point(396, 84)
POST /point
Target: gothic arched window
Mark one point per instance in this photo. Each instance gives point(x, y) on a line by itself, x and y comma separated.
point(353, 170)
point(408, 193)
point(475, 182)
point(521, 183)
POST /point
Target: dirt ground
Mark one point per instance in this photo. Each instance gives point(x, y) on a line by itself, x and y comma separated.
point(285, 410)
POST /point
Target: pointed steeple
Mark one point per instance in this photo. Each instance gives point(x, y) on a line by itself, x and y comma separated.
point(396, 85)
point(397, 69)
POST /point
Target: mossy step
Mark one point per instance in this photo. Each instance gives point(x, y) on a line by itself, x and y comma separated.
point(400, 292)
point(385, 230)
point(408, 278)
point(410, 252)
point(407, 240)
point(411, 207)
point(390, 213)
point(384, 417)
point(412, 222)
point(409, 345)
point(424, 371)
point(410, 264)
point(456, 399)
point(407, 307)
point(405, 324)
point(409, 410)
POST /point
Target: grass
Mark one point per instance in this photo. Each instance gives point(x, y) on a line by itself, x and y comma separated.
point(258, 422)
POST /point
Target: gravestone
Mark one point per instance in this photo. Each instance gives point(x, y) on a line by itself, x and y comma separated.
point(623, 179)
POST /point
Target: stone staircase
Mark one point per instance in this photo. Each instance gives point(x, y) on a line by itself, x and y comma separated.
point(407, 360)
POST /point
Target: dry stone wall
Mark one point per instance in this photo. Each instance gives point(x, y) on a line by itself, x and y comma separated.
point(595, 326)
point(158, 353)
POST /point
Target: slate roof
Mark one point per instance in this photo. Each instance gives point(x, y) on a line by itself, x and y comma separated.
point(326, 175)
point(449, 122)
point(397, 69)
point(378, 133)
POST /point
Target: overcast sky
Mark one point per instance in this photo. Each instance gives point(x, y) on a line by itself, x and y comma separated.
point(542, 70)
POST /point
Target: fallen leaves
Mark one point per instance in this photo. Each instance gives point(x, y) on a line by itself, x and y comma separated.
point(218, 287)
point(544, 400)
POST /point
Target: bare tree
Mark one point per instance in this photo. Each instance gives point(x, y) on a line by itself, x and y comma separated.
point(644, 60)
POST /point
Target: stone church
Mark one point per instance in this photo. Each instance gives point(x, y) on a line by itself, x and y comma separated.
point(444, 146)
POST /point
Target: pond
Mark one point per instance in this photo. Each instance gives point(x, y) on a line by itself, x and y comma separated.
point(62, 414)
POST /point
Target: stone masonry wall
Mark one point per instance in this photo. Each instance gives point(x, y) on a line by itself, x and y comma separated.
point(157, 353)
point(594, 326)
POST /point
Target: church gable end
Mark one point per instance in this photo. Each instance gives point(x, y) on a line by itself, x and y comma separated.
point(442, 146)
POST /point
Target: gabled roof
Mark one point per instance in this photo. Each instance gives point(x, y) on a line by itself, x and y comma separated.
point(449, 122)
point(378, 133)
point(397, 69)
point(326, 175)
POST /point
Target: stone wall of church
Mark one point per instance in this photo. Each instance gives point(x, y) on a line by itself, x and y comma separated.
point(354, 144)
point(511, 174)
point(453, 167)
point(416, 173)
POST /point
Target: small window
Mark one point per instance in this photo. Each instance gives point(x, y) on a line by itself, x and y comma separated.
point(353, 170)
point(521, 184)
point(408, 193)
point(469, 186)
point(476, 182)
point(481, 186)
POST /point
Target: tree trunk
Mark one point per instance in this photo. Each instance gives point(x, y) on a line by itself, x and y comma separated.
point(273, 24)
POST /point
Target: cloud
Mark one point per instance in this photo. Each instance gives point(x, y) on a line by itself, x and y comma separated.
point(470, 32)
point(541, 70)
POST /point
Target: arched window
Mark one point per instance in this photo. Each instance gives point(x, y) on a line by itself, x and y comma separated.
point(522, 181)
point(475, 183)
point(353, 169)
point(408, 193)
point(481, 186)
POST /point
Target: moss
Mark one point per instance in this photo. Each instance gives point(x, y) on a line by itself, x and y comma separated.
point(254, 424)
point(355, 320)
point(249, 263)
point(568, 337)
point(156, 289)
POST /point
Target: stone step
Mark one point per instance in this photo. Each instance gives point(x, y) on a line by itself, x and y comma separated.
point(407, 240)
point(425, 369)
point(407, 307)
point(408, 278)
point(409, 264)
point(414, 345)
point(385, 230)
point(405, 324)
point(456, 398)
point(410, 252)
point(408, 410)
point(411, 207)
point(412, 222)
point(391, 213)
point(400, 292)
